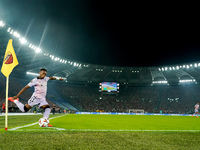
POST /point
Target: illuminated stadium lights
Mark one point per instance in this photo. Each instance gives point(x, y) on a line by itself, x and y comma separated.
point(9, 29)
point(99, 69)
point(136, 71)
point(38, 50)
point(116, 70)
point(2, 24)
point(185, 66)
point(16, 34)
point(60, 77)
point(160, 82)
point(45, 54)
point(23, 40)
point(185, 81)
point(31, 73)
point(11, 32)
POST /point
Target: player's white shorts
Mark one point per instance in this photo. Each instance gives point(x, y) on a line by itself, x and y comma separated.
point(36, 101)
point(196, 110)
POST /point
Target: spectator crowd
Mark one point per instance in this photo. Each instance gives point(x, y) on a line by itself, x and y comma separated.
point(152, 99)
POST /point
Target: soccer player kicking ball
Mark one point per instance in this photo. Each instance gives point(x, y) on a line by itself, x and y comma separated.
point(196, 110)
point(38, 97)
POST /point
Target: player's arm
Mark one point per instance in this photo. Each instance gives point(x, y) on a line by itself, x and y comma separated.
point(22, 91)
point(53, 78)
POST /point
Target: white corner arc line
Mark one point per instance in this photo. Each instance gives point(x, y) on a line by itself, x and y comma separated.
point(13, 129)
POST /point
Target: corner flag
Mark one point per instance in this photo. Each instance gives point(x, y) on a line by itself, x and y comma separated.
point(10, 60)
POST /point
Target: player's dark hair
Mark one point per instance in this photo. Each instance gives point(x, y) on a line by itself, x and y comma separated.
point(43, 69)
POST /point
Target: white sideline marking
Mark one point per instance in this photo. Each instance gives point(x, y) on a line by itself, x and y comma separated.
point(105, 130)
point(16, 128)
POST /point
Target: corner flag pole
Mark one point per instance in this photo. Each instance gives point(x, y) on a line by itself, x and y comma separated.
point(6, 116)
point(9, 63)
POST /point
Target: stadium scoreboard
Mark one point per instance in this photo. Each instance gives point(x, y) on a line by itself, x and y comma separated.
point(109, 87)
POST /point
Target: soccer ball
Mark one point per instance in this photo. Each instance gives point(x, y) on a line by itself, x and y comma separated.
point(43, 122)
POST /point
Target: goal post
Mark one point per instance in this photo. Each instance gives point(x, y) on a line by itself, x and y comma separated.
point(136, 111)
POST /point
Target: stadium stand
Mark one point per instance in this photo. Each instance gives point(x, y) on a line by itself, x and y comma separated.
point(172, 89)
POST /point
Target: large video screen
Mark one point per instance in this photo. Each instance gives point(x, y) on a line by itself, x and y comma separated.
point(110, 87)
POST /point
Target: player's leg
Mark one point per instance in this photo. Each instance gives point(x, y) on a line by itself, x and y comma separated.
point(44, 105)
point(197, 114)
point(47, 110)
point(22, 107)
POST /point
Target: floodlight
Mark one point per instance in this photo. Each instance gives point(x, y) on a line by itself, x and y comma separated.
point(195, 65)
point(23, 40)
point(11, 32)
point(16, 34)
point(31, 73)
point(9, 29)
point(2, 24)
point(38, 50)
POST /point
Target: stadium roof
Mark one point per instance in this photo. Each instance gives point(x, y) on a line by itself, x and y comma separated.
point(108, 33)
point(31, 58)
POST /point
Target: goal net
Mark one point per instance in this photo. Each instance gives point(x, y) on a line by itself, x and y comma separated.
point(136, 110)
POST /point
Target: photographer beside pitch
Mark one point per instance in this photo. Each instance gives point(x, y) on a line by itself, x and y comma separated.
point(39, 95)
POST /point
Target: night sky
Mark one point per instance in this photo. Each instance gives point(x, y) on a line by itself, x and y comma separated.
point(116, 33)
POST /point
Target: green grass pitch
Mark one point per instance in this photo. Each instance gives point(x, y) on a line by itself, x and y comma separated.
point(101, 132)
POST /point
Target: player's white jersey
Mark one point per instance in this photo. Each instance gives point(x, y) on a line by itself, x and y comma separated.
point(40, 86)
point(196, 106)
